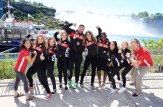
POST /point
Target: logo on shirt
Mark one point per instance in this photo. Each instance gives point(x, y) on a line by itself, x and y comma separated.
point(74, 35)
point(103, 45)
point(63, 44)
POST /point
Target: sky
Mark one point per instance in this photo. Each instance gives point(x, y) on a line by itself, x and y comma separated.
point(94, 13)
point(106, 6)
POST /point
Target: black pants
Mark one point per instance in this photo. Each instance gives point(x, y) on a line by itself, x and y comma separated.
point(77, 60)
point(93, 62)
point(50, 71)
point(62, 69)
point(40, 68)
point(118, 74)
point(102, 64)
point(124, 73)
point(30, 72)
point(41, 72)
point(111, 73)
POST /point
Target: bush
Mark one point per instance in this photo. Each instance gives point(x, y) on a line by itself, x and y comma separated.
point(7, 72)
point(6, 69)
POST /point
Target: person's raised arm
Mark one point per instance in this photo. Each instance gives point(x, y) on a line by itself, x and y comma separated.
point(68, 29)
point(29, 35)
point(99, 31)
point(55, 36)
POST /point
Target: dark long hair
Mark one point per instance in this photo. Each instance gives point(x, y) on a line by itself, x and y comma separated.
point(116, 47)
point(22, 44)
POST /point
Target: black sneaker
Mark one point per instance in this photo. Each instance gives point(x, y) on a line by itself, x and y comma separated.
point(135, 95)
point(66, 88)
point(81, 85)
point(92, 86)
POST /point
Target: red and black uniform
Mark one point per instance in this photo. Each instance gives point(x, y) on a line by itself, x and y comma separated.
point(50, 64)
point(103, 48)
point(114, 66)
point(22, 62)
point(62, 56)
point(39, 67)
point(143, 55)
point(75, 52)
point(90, 58)
point(126, 64)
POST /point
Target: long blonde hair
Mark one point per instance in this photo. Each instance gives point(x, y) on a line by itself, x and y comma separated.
point(44, 42)
point(66, 35)
point(48, 42)
point(92, 37)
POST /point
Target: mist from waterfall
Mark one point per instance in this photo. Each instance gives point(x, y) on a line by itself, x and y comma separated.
point(111, 24)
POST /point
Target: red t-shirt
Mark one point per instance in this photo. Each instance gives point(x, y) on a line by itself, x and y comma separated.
point(143, 55)
point(22, 62)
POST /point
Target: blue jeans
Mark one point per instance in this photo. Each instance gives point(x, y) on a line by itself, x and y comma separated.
point(21, 76)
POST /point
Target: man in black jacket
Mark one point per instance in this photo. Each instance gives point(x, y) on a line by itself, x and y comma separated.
point(76, 50)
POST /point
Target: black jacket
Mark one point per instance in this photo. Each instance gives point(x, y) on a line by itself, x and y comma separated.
point(40, 50)
point(62, 46)
point(52, 51)
point(74, 38)
point(103, 46)
point(90, 49)
point(114, 58)
point(124, 60)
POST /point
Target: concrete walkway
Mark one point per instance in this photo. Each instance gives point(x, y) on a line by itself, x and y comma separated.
point(152, 96)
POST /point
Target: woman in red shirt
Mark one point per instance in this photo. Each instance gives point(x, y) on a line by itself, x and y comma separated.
point(142, 62)
point(20, 67)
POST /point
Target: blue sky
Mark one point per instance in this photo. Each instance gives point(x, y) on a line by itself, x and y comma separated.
point(107, 6)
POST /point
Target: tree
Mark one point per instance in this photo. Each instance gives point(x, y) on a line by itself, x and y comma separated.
point(143, 14)
point(152, 44)
point(34, 3)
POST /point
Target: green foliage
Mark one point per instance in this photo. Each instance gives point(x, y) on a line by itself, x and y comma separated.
point(147, 15)
point(39, 12)
point(152, 44)
point(7, 72)
point(155, 47)
point(143, 14)
point(6, 69)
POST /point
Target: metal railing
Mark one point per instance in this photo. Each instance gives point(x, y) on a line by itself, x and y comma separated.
point(14, 25)
point(8, 56)
point(7, 61)
point(9, 50)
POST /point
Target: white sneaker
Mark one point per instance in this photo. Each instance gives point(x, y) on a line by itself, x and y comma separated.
point(122, 90)
point(119, 81)
point(113, 91)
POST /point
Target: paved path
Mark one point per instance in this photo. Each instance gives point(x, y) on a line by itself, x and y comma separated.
point(152, 96)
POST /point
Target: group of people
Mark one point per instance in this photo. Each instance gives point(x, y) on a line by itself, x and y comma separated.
point(69, 49)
